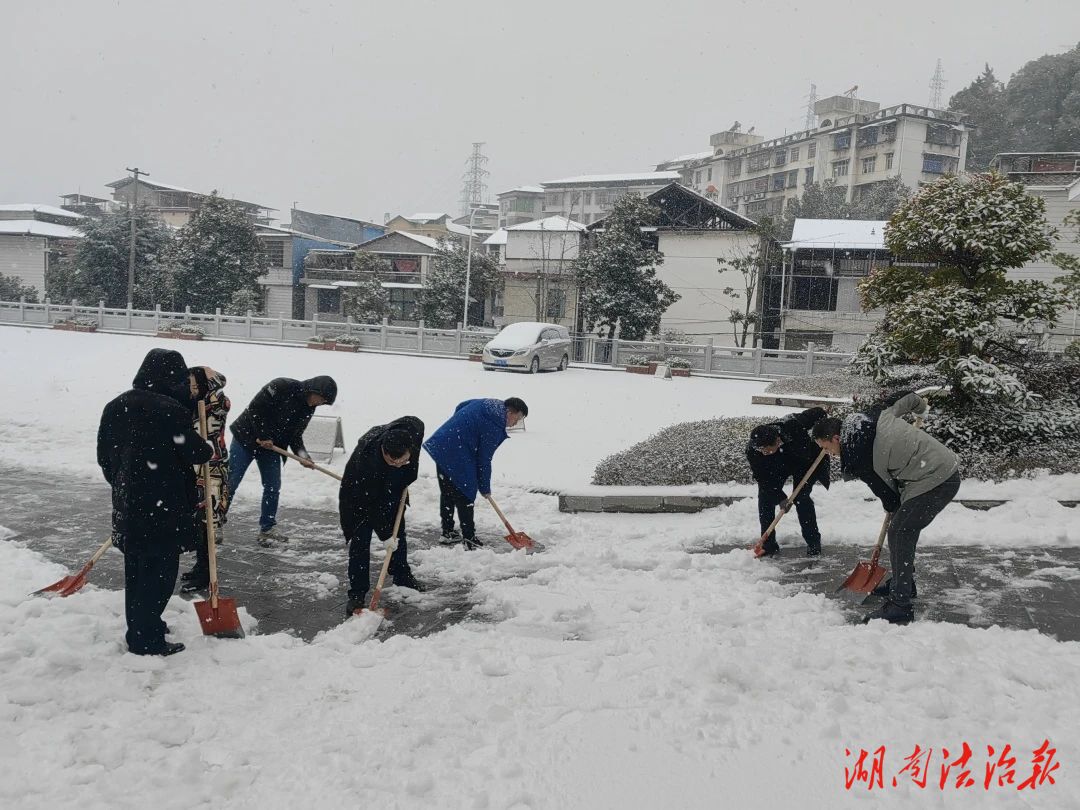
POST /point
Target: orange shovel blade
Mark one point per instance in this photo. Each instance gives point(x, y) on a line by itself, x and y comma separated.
point(864, 578)
point(223, 622)
point(520, 540)
point(68, 585)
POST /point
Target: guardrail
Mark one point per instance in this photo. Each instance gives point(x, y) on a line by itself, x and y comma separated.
point(704, 358)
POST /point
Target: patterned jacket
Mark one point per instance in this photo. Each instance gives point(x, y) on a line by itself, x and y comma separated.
point(211, 384)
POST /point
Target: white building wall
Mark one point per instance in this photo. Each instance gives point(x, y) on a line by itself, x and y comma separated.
point(691, 269)
point(552, 246)
point(24, 257)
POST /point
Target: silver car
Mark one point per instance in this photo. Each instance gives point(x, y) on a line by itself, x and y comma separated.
point(529, 346)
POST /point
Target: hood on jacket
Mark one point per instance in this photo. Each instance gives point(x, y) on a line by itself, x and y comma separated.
point(323, 386)
point(164, 371)
point(207, 380)
point(410, 425)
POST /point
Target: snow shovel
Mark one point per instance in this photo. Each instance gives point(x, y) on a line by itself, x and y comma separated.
point(867, 575)
point(391, 547)
point(516, 539)
point(759, 546)
point(217, 616)
point(73, 582)
point(295, 457)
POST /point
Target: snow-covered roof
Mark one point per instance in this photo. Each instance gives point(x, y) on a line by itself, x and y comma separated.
point(400, 285)
point(277, 230)
point(37, 208)
point(690, 157)
point(463, 230)
point(123, 181)
point(864, 234)
point(549, 224)
point(600, 179)
point(34, 227)
point(426, 241)
point(524, 190)
point(423, 218)
point(497, 238)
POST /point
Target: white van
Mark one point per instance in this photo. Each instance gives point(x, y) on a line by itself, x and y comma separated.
point(529, 346)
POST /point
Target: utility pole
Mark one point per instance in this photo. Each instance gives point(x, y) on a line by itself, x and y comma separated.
point(131, 252)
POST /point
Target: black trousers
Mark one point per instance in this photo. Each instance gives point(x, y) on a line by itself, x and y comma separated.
point(450, 498)
point(360, 559)
point(769, 499)
point(907, 523)
point(148, 583)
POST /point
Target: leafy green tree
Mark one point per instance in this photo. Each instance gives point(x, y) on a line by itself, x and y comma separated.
point(1070, 282)
point(216, 256)
point(370, 302)
point(881, 200)
point(442, 302)
point(620, 291)
point(98, 268)
point(12, 289)
point(1043, 103)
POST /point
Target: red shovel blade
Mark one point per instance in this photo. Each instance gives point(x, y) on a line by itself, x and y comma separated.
point(223, 622)
point(68, 585)
point(865, 577)
point(520, 540)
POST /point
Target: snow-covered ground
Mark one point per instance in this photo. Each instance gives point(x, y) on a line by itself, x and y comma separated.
point(620, 671)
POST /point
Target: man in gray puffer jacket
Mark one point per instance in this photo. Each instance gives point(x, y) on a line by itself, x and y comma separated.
point(913, 474)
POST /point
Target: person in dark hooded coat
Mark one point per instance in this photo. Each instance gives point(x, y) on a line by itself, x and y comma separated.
point(776, 452)
point(146, 449)
point(385, 462)
point(277, 416)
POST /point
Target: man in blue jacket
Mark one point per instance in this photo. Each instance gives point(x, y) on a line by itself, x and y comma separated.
point(462, 449)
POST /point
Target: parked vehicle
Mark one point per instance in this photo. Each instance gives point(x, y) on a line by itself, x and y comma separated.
point(529, 346)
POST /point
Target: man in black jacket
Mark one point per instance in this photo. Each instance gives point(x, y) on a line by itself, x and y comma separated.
point(385, 462)
point(146, 449)
point(778, 451)
point(277, 416)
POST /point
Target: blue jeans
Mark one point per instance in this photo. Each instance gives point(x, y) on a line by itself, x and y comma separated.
point(269, 462)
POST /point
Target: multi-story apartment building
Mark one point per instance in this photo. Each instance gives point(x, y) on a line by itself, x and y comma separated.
point(856, 144)
point(520, 205)
point(590, 197)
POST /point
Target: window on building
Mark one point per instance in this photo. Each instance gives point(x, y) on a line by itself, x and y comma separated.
point(938, 164)
point(405, 264)
point(274, 252)
point(733, 190)
point(524, 205)
point(588, 198)
point(708, 175)
point(841, 140)
point(942, 134)
point(403, 305)
point(814, 293)
point(808, 175)
point(840, 168)
point(697, 178)
point(869, 164)
point(755, 208)
point(888, 160)
point(736, 167)
point(760, 185)
point(888, 132)
point(780, 157)
point(779, 181)
point(553, 200)
point(756, 163)
point(868, 136)
point(793, 178)
point(794, 154)
point(328, 301)
point(556, 304)
point(811, 151)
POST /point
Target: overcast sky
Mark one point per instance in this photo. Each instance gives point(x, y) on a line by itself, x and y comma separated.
point(361, 108)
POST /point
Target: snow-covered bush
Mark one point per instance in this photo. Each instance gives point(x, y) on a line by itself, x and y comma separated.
point(477, 347)
point(678, 362)
point(637, 360)
point(1072, 351)
point(347, 340)
point(183, 327)
point(847, 383)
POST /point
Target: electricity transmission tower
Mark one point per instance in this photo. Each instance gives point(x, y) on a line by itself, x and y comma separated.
point(937, 85)
point(811, 100)
point(474, 187)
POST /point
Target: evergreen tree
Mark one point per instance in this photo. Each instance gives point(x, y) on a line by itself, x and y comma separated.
point(984, 105)
point(881, 200)
point(216, 256)
point(12, 289)
point(370, 302)
point(98, 269)
point(443, 300)
point(963, 316)
point(620, 291)
point(1043, 103)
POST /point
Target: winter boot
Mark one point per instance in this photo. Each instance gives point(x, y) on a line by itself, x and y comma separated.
point(882, 590)
point(450, 538)
point(194, 585)
point(892, 613)
point(271, 536)
point(472, 543)
point(172, 648)
point(406, 579)
point(353, 605)
point(813, 549)
point(770, 549)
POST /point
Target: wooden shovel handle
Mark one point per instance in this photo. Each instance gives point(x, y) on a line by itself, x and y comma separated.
point(794, 495)
point(498, 512)
point(881, 539)
point(295, 457)
point(208, 511)
point(391, 547)
point(97, 554)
